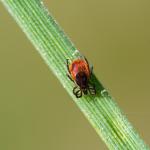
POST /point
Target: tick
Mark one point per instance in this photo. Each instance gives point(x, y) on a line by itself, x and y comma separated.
point(80, 73)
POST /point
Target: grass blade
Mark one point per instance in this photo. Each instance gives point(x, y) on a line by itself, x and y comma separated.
point(55, 47)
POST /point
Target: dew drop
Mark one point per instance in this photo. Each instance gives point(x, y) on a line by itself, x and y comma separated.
point(104, 93)
point(76, 53)
point(64, 85)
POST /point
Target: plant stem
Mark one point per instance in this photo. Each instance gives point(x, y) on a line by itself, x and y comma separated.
point(55, 47)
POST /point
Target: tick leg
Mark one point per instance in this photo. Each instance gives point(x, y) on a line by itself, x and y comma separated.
point(78, 92)
point(90, 68)
point(67, 60)
point(74, 89)
point(70, 77)
point(92, 90)
point(86, 60)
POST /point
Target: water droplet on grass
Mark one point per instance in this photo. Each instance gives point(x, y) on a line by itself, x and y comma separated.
point(76, 53)
point(104, 93)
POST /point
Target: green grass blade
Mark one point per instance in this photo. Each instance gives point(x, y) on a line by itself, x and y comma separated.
point(55, 47)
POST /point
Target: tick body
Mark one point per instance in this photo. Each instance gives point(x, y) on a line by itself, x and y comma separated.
point(80, 73)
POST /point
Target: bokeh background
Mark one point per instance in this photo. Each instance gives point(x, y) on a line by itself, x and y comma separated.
point(36, 113)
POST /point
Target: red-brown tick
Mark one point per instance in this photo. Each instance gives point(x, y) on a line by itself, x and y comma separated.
point(80, 73)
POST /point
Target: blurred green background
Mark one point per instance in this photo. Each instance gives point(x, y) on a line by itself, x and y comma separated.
point(36, 113)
